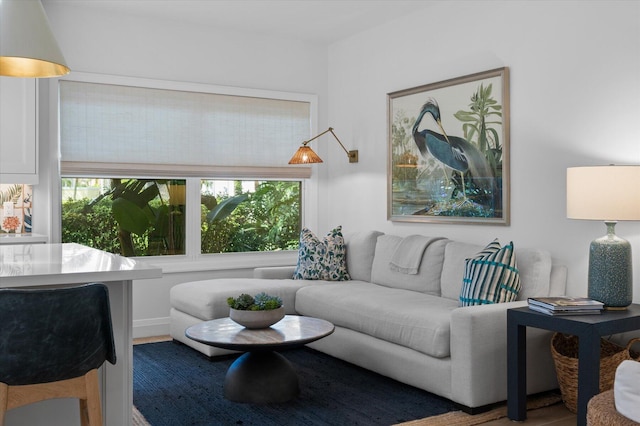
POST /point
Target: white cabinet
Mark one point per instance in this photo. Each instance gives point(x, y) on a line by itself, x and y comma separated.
point(18, 130)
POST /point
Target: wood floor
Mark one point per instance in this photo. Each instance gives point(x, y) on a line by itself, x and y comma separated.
point(141, 340)
point(555, 415)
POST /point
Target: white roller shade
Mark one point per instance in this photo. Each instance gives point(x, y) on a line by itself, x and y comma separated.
point(106, 123)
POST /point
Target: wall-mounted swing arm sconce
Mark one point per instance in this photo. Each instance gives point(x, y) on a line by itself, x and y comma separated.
point(305, 155)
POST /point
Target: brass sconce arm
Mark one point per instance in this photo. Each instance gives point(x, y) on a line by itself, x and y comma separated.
point(305, 154)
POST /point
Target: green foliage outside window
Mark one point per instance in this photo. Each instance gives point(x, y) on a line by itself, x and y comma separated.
point(266, 219)
point(132, 217)
point(95, 228)
point(141, 217)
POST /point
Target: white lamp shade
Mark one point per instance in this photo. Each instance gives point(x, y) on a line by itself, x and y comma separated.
point(609, 193)
point(27, 45)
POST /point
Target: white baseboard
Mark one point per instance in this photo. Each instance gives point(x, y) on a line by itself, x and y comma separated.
point(150, 327)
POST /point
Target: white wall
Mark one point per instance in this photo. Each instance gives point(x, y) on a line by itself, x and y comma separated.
point(169, 50)
point(104, 43)
point(575, 100)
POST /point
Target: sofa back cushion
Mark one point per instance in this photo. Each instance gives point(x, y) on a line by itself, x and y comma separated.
point(534, 266)
point(455, 254)
point(535, 272)
point(361, 247)
point(427, 280)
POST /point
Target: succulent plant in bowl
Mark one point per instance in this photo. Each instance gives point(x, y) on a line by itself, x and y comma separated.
point(259, 311)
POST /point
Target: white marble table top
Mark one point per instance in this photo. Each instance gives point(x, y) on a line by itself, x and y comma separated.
point(292, 330)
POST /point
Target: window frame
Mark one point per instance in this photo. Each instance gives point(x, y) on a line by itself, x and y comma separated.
point(192, 260)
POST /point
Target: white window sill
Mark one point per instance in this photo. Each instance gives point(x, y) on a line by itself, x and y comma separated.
point(220, 262)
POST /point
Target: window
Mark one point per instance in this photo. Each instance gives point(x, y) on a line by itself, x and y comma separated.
point(132, 217)
point(156, 168)
point(244, 215)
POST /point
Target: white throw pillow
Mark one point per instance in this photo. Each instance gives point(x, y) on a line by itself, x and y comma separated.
point(626, 390)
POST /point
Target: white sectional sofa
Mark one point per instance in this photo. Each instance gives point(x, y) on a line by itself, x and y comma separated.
point(409, 327)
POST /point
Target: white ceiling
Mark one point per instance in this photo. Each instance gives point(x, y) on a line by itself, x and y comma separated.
point(324, 21)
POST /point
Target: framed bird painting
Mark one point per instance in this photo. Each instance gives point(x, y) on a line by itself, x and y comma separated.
point(448, 155)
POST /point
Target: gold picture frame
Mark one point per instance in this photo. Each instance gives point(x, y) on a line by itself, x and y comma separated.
point(448, 156)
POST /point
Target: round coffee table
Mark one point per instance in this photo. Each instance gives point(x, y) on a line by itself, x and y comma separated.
point(261, 375)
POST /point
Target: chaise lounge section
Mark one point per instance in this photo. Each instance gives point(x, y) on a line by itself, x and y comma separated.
point(407, 326)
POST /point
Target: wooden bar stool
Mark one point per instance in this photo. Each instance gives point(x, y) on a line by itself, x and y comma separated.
point(52, 341)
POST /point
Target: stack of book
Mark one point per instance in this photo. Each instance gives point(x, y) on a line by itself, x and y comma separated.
point(563, 305)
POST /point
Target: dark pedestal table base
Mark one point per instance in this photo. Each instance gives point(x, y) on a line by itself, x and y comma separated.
point(261, 377)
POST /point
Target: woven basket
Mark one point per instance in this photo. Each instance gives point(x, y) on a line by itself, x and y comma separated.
point(601, 411)
point(564, 349)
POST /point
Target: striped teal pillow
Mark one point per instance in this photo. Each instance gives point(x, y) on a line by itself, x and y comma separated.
point(491, 276)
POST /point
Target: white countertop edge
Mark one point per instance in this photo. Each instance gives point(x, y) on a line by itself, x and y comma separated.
point(80, 278)
point(25, 265)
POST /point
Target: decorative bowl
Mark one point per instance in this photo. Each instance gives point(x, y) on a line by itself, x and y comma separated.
point(256, 319)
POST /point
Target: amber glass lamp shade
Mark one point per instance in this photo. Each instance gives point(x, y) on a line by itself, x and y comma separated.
point(305, 155)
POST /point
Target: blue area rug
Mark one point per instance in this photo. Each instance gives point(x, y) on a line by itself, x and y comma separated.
point(175, 385)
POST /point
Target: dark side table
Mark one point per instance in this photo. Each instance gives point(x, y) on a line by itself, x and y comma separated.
point(588, 328)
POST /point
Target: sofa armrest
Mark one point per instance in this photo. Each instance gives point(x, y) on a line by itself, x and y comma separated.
point(274, 272)
point(479, 355)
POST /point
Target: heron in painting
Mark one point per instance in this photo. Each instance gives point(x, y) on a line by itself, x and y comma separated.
point(453, 152)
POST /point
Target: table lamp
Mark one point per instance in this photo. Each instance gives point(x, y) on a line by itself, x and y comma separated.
point(607, 193)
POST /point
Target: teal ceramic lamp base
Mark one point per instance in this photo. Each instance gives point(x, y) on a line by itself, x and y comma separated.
point(610, 270)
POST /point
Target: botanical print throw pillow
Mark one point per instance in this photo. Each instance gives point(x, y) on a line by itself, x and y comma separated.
point(322, 259)
point(491, 276)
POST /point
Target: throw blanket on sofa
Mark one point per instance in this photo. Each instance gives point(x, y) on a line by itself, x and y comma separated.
point(408, 255)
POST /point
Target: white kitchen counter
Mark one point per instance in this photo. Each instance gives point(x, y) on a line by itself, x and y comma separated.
point(28, 265)
point(46, 264)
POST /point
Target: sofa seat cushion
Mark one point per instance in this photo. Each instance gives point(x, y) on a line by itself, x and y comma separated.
point(207, 299)
point(412, 319)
